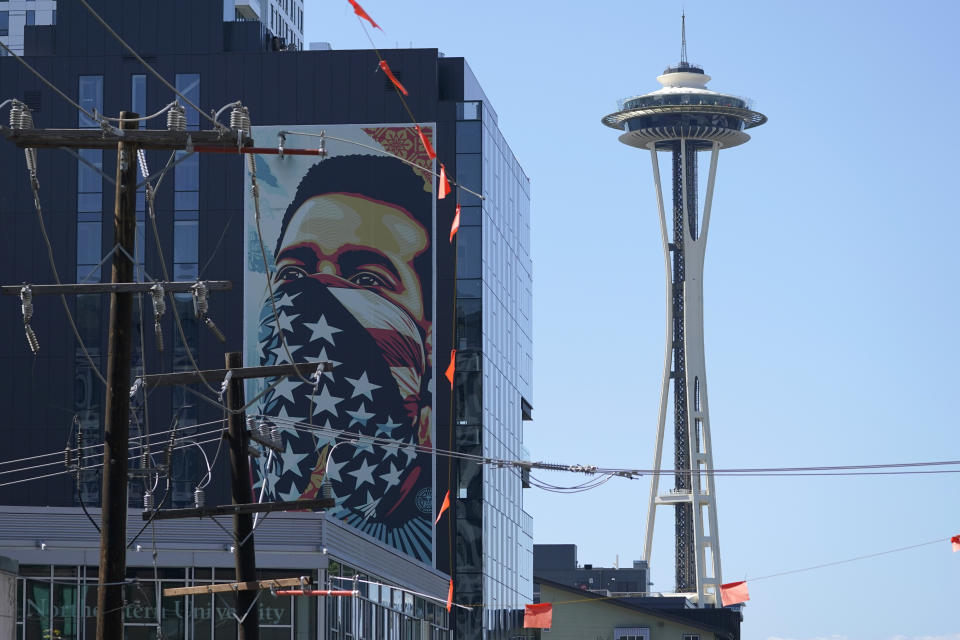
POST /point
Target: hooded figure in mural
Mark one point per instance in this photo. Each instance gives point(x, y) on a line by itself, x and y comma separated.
point(353, 286)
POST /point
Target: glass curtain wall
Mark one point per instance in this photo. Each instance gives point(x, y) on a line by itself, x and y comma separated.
point(60, 602)
point(493, 375)
point(186, 227)
point(88, 311)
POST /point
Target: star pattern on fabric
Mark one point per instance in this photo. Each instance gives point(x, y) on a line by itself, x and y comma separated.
point(393, 476)
point(285, 322)
point(291, 460)
point(363, 474)
point(362, 386)
point(366, 395)
point(325, 402)
point(361, 416)
point(386, 428)
point(285, 387)
point(321, 330)
point(286, 300)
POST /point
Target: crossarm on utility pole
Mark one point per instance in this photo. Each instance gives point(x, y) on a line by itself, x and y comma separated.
point(113, 287)
point(255, 585)
point(217, 375)
point(231, 509)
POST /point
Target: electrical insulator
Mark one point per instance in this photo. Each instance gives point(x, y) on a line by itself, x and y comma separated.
point(16, 108)
point(26, 306)
point(322, 149)
point(159, 307)
point(68, 457)
point(240, 119)
point(326, 488)
point(275, 436)
point(26, 118)
point(176, 118)
point(199, 498)
point(200, 299)
point(148, 500)
point(142, 161)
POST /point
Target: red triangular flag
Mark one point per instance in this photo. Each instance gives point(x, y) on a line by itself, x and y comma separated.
point(444, 506)
point(734, 592)
point(393, 78)
point(453, 365)
point(426, 143)
point(357, 9)
point(456, 223)
point(538, 616)
point(444, 183)
point(955, 543)
point(450, 596)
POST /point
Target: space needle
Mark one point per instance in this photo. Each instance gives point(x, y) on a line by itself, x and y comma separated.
point(683, 118)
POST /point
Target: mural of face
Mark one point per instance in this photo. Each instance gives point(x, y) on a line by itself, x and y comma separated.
point(368, 243)
point(353, 286)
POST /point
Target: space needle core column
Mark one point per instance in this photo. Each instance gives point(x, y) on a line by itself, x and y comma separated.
point(683, 118)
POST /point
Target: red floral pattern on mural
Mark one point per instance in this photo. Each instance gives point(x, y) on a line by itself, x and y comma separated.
point(404, 142)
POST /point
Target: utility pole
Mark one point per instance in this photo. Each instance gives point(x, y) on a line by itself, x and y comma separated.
point(116, 426)
point(244, 557)
point(110, 606)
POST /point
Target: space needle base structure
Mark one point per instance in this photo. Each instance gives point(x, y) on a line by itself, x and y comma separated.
point(683, 118)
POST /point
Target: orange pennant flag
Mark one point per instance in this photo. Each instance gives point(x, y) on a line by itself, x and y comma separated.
point(444, 506)
point(393, 78)
point(734, 592)
point(357, 9)
point(538, 616)
point(444, 183)
point(456, 223)
point(453, 365)
point(450, 596)
point(955, 543)
point(426, 143)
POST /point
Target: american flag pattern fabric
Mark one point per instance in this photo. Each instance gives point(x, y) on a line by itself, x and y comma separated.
point(379, 387)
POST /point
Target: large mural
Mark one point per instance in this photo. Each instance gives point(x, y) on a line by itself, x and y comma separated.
point(349, 249)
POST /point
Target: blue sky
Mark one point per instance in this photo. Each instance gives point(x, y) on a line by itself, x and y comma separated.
point(830, 286)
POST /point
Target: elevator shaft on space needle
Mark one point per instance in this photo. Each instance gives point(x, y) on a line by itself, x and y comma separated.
point(683, 118)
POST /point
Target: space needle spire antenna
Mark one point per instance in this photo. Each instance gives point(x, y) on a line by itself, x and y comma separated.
point(683, 38)
point(683, 120)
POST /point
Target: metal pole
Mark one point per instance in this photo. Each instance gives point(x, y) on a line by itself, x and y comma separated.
point(245, 559)
point(116, 426)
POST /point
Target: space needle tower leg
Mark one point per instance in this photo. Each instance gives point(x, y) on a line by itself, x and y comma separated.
point(705, 537)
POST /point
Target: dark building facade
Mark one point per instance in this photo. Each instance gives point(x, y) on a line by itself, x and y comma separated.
point(480, 286)
point(558, 562)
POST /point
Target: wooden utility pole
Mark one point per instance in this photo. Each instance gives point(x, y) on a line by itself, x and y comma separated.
point(116, 426)
point(244, 557)
point(127, 141)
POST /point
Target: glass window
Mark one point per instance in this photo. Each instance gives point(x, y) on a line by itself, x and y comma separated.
point(138, 95)
point(185, 240)
point(187, 176)
point(91, 97)
point(469, 175)
point(89, 179)
point(4, 23)
point(468, 110)
point(469, 137)
point(188, 84)
point(31, 17)
point(469, 252)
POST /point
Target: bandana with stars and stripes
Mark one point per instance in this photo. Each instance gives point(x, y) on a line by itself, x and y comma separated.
point(378, 387)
